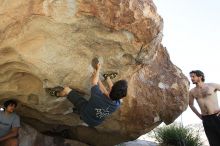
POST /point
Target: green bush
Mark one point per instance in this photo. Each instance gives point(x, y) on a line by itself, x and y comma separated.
point(177, 135)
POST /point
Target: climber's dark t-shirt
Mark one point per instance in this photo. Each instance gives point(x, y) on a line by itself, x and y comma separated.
point(98, 107)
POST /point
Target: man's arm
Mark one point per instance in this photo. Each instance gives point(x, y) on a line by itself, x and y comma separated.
point(102, 88)
point(110, 84)
point(191, 105)
point(216, 86)
point(95, 77)
point(11, 134)
point(95, 80)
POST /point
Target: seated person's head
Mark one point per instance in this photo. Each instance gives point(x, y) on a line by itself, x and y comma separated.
point(10, 105)
point(119, 90)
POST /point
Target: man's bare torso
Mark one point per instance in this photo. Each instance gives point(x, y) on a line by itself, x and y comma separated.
point(206, 97)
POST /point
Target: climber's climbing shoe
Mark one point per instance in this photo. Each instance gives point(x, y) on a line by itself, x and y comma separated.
point(111, 75)
point(54, 91)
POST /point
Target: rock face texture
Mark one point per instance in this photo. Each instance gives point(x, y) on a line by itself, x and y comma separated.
point(45, 43)
point(30, 137)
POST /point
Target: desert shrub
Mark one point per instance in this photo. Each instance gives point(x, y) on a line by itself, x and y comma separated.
point(177, 135)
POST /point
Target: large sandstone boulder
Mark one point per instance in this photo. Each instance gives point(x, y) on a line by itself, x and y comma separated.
point(45, 43)
point(28, 136)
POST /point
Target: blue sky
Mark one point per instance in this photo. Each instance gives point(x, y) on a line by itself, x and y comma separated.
point(192, 38)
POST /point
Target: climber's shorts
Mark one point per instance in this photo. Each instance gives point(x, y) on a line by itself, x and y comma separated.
point(77, 100)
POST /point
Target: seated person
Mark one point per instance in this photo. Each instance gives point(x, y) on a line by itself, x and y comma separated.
point(9, 124)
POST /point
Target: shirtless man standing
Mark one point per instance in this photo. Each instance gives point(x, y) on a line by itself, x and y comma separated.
point(206, 97)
